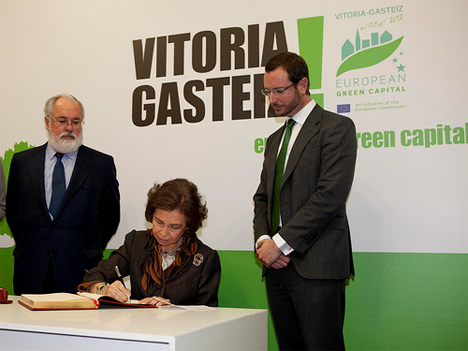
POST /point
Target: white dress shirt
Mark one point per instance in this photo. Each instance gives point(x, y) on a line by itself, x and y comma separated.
point(68, 161)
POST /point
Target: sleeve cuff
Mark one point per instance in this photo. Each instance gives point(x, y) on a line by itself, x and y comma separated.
point(282, 245)
point(83, 287)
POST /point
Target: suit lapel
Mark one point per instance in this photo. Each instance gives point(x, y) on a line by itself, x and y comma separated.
point(308, 131)
point(35, 168)
point(83, 167)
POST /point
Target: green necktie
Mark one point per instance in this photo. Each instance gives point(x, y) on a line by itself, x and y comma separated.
point(280, 161)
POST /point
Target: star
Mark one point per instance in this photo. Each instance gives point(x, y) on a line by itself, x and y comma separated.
point(395, 60)
point(401, 68)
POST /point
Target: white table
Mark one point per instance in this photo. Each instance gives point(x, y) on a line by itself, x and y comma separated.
point(123, 328)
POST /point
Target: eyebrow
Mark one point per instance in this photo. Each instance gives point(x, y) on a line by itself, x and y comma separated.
point(73, 118)
point(173, 224)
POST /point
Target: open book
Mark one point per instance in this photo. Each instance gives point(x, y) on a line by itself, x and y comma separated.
point(67, 301)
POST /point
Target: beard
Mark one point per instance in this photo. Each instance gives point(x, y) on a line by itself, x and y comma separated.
point(65, 146)
point(286, 110)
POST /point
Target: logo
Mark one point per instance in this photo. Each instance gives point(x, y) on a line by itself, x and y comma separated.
point(371, 70)
point(367, 52)
point(343, 108)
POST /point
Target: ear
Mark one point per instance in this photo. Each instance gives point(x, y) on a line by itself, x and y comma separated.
point(47, 122)
point(302, 85)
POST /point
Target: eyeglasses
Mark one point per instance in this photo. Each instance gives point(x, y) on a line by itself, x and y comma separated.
point(276, 91)
point(63, 122)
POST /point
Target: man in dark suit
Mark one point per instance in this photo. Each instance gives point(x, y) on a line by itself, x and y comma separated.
point(61, 215)
point(306, 253)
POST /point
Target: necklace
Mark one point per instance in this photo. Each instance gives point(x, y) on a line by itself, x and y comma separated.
point(169, 257)
point(169, 254)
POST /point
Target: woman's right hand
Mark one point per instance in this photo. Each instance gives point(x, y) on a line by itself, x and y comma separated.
point(117, 291)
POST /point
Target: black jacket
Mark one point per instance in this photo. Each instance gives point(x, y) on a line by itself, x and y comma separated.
point(197, 284)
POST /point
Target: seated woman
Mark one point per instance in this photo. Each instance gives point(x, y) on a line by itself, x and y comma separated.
point(166, 262)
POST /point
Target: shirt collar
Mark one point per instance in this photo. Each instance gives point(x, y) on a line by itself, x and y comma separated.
point(50, 153)
point(302, 115)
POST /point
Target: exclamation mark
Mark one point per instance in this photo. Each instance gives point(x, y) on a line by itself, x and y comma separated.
point(310, 34)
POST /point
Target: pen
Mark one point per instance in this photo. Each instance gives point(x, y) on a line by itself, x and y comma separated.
point(119, 276)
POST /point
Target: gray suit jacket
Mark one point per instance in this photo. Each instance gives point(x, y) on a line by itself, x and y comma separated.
point(316, 184)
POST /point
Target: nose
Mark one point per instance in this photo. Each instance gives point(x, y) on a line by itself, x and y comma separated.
point(272, 98)
point(163, 231)
point(69, 127)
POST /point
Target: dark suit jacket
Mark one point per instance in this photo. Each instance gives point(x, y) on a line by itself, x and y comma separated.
point(197, 284)
point(316, 184)
point(86, 220)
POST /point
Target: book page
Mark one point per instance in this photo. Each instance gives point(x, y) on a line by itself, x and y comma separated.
point(56, 301)
point(56, 297)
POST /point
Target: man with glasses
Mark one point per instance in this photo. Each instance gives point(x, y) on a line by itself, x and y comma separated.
point(63, 204)
point(300, 225)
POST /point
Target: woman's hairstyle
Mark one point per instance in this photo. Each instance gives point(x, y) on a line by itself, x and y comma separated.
point(181, 195)
point(293, 64)
point(178, 194)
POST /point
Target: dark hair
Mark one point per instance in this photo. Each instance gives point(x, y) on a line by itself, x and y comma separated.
point(293, 64)
point(178, 194)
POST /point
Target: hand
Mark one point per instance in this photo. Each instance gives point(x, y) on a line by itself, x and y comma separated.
point(154, 301)
point(281, 262)
point(268, 252)
point(118, 291)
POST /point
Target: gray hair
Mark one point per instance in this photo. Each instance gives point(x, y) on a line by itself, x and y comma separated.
point(50, 104)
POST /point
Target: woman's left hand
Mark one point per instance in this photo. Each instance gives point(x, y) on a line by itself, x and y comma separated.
point(155, 301)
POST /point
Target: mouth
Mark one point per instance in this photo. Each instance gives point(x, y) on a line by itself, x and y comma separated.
point(162, 241)
point(275, 106)
point(68, 137)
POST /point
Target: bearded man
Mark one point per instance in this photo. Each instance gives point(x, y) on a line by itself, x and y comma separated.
point(63, 204)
